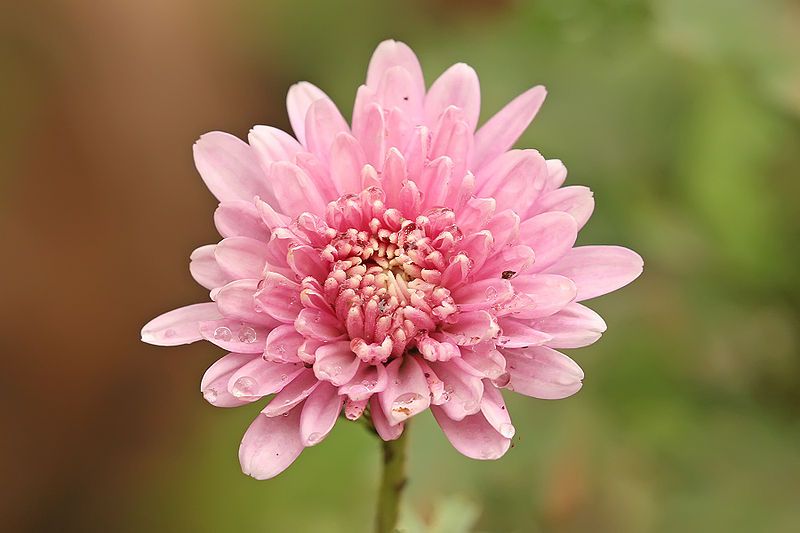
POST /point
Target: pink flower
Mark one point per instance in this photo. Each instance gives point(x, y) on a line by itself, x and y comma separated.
point(404, 263)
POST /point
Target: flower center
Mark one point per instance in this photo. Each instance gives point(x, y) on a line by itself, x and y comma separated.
point(385, 278)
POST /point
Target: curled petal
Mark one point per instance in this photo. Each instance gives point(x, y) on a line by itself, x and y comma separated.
point(336, 362)
point(292, 394)
point(517, 334)
point(236, 300)
point(258, 378)
point(278, 297)
point(204, 268)
point(283, 343)
point(241, 257)
point(385, 430)
point(575, 326)
point(576, 200)
point(494, 410)
point(463, 388)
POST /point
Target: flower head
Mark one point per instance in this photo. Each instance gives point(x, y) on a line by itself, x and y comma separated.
point(404, 263)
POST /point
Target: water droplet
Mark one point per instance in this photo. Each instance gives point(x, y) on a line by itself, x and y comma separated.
point(244, 386)
point(281, 349)
point(368, 383)
point(507, 430)
point(169, 333)
point(210, 395)
point(404, 404)
point(491, 294)
point(247, 335)
point(286, 413)
point(222, 334)
point(284, 377)
point(470, 405)
point(314, 438)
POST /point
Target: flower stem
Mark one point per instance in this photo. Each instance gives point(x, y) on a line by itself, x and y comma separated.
point(393, 481)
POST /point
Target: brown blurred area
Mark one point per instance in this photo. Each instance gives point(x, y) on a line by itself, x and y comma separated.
point(100, 208)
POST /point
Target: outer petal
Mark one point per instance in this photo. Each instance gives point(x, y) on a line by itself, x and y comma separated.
point(229, 168)
point(258, 378)
point(240, 219)
point(298, 101)
point(515, 179)
point(214, 385)
point(473, 436)
point(292, 394)
point(320, 412)
point(279, 297)
point(179, 326)
point(517, 334)
point(335, 362)
point(598, 270)
point(323, 123)
point(575, 200)
point(241, 257)
point(543, 373)
point(463, 388)
point(458, 86)
point(542, 295)
point(283, 343)
point(271, 144)
point(385, 430)
point(270, 445)
point(204, 268)
point(575, 326)
point(236, 300)
point(551, 235)
point(502, 130)
point(494, 410)
point(406, 392)
point(390, 54)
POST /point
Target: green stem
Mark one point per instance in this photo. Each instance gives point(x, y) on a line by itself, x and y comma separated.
point(393, 481)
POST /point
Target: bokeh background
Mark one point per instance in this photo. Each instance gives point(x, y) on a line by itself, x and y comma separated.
point(682, 115)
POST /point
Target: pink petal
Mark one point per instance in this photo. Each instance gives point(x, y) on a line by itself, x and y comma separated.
point(472, 327)
point(179, 326)
point(458, 86)
point(282, 345)
point(473, 435)
point(494, 410)
point(271, 218)
point(598, 270)
point(406, 392)
point(271, 144)
point(295, 190)
point(436, 350)
point(463, 389)
point(241, 257)
point(502, 130)
point(236, 300)
point(551, 235)
point(298, 101)
point(320, 412)
point(515, 179)
point(318, 324)
point(385, 430)
point(504, 227)
point(258, 378)
point(323, 123)
point(399, 90)
point(390, 54)
point(575, 200)
point(270, 445)
point(371, 133)
point(516, 334)
point(452, 137)
point(214, 385)
point(369, 379)
point(556, 174)
point(292, 394)
point(234, 335)
point(204, 268)
point(483, 294)
point(335, 362)
point(229, 168)
point(279, 297)
point(544, 294)
point(575, 326)
point(240, 219)
point(543, 373)
point(347, 160)
point(484, 358)
point(306, 261)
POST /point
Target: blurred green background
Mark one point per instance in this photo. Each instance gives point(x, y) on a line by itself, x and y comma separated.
point(682, 115)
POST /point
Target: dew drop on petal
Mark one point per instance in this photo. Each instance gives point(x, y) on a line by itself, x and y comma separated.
point(403, 404)
point(314, 438)
point(244, 386)
point(247, 335)
point(507, 430)
point(210, 395)
point(491, 294)
point(222, 333)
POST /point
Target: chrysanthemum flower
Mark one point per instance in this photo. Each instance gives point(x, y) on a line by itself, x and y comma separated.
point(406, 262)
